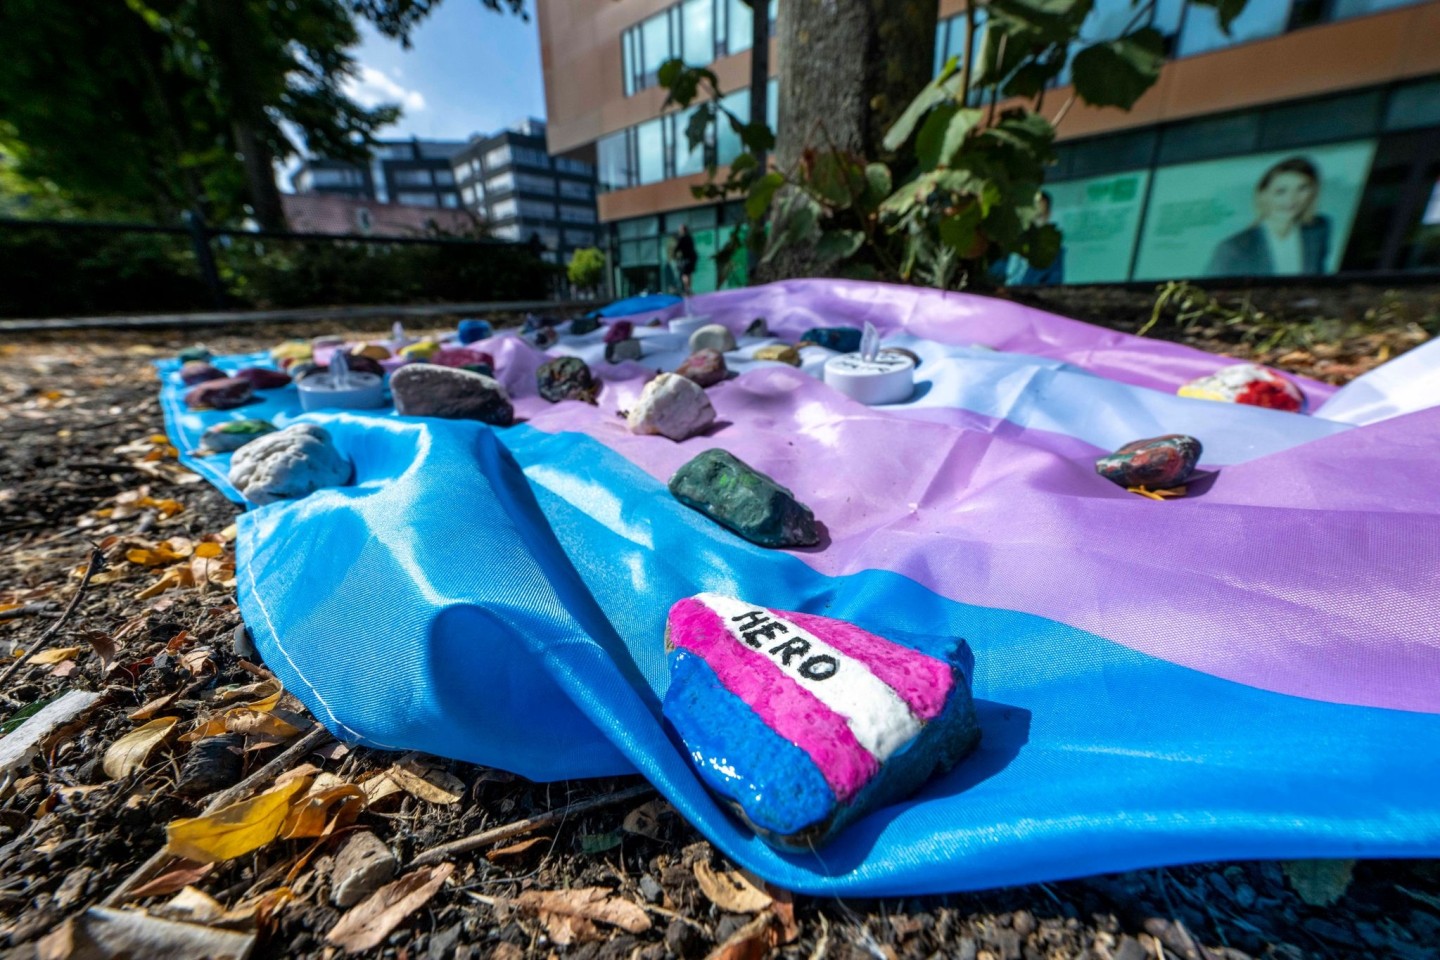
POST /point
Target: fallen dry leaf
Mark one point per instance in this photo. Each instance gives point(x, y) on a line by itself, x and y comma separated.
point(426, 781)
point(515, 849)
point(148, 710)
point(54, 655)
point(644, 820)
point(177, 878)
point(1319, 883)
point(132, 751)
point(570, 915)
point(102, 932)
point(234, 830)
point(730, 891)
point(370, 921)
point(175, 578)
point(321, 813)
point(755, 940)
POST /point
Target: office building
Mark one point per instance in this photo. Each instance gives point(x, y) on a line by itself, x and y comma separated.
point(513, 184)
point(414, 172)
point(1338, 99)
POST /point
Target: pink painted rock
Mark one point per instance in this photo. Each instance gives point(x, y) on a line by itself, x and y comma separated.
point(466, 358)
point(802, 723)
point(264, 378)
point(705, 367)
point(619, 330)
point(199, 371)
point(223, 394)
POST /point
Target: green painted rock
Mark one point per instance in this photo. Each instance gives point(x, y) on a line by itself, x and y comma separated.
point(198, 352)
point(583, 325)
point(231, 435)
point(734, 494)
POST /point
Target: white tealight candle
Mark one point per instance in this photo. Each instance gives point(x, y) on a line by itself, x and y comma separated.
point(341, 387)
point(883, 378)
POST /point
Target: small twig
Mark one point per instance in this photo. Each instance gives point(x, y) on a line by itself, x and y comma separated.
point(97, 560)
point(36, 608)
point(1064, 109)
point(519, 827)
point(151, 867)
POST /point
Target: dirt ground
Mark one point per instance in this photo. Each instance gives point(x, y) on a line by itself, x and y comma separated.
point(608, 870)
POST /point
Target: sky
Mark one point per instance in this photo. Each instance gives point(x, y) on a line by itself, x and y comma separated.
point(468, 70)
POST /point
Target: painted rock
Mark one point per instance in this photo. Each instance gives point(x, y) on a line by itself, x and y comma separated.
point(225, 394)
point(420, 350)
point(429, 390)
point(198, 371)
point(192, 354)
point(466, 358)
point(233, 434)
point(1249, 384)
point(292, 350)
point(472, 330)
point(705, 367)
point(583, 325)
point(533, 323)
point(264, 378)
point(288, 464)
point(300, 369)
point(1166, 461)
point(673, 407)
point(914, 357)
point(782, 352)
point(802, 723)
point(712, 336)
point(359, 363)
point(373, 351)
point(736, 495)
point(758, 328)
point(567, 378)
point(545, 337)
point(843, 339)
point(619, 330)
point(622, 350)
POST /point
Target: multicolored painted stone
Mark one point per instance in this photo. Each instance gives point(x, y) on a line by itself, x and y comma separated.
point(1249, 384)
point(198, 371)
point(803, 723)
point(1162, 462)
point(231, 435)
point(782, 352)
point(264, 378)
point(225, 394)
point(567, 378)
point(619, 330)
point(545, 337)
point(197, 352)
point(841, 339)
point(583, 325)
point(705, 367)
point(736, 495)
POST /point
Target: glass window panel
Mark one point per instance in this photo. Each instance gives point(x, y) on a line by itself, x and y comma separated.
point(739, 26)
point(615, 173)
point(417, 199)
point(639, 227)
point(444, 177)
point(772, 104)
point(574, 190)
point(727, 141)
point(1237, 133)
point(1335, 118)
point(537, 210)
point(412, 178)
point(654, 47)
point(449, 200)
point(687, 160)
point(697, 22)
point(534, 183)
point(1127, 151)
point(579, 238)
point(500, 183)
point(627, 53)
point(1416, 105)
point(503, 209)
point(1167, 16)
point(1358, 8)
point(650, 151)
point(497, 157)
point(469, 194)
point(576, 214)
point(1106, 21)
point(1202, 33)
point(510, 231)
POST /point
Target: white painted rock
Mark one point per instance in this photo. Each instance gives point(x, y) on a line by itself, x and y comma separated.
point(288, 464)
point(672, 406)
point(712, 336)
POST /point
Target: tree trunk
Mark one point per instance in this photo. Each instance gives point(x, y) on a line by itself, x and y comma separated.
point(848, 69)
point(259, 176)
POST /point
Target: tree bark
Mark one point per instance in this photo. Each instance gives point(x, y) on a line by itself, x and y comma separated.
point(848, 69)
point(259, 176)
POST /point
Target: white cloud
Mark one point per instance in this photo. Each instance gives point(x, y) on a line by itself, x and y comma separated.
point(374, 86)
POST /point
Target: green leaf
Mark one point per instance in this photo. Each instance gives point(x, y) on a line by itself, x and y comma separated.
point(593, 843)
point(943, 134)
point(1041, 244)
point(1227, 10)
point(1118, 72)
point(670, 71)
point(795, 221)
point(742, 163)
point(1319, 882)
point(877, 184)
point(757, 137)
point(937, 91)
point(761, 194)
point(835, 177)
point(698, 124)
point(959, 232)
point(839, 244)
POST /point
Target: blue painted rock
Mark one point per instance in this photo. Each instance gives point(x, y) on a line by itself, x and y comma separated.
point(736, 495)
point(712, 336)
point(758, 328)
point(802, 723)
point(288, 464)
point(842, 339)
point(566, 378)
point(199, 371)
point(223, 394)
point(622, 350)
point(264, 378)
point(472, 330)
point(1249, 384)
point(198, 352)
point(430, 390)
point(1166, 461)
point(705, 367)
point(583, 325)
point(619, 330)
point(231, 435)
point(533, 323)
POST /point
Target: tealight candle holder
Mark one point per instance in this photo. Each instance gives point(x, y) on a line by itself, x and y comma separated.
point(870, 376)
point(340, 387)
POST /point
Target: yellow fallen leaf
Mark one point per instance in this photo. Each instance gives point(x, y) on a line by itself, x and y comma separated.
point(234, 830)
point(379, 787)
point(55, 655)
point(132, 751)
point(730, 890)
point(320, 814)
point(209, 550)
point(174, 578)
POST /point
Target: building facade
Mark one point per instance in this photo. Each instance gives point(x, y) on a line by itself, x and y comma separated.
point(514, 185)
point(414, 173)
point(1336, 99)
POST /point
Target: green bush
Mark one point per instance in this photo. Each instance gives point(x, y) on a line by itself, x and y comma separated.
point(586, 269)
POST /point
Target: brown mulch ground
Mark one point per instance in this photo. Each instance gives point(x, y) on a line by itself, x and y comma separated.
point(80, 464)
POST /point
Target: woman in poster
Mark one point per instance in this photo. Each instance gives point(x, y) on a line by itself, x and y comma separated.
point(1288, 236)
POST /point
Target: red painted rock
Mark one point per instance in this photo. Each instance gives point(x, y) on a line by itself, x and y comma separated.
point(619, 330)
point(199, 371)
point(705, 367)
point(264, 378)
point(223, 394)
point(1249, 384)
point(466, 358)
point(1163, 462)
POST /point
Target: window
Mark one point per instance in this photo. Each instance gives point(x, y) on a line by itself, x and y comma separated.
point(503, 209)
point(697, 23)
point(687, 160)
point(450, 200)
point(739, 27)
point(550, 239)
point(509, 231)
point(650, 151)
point(531, 157)
point(534, 183)
point(727, 141)
point(639, 227)
point(772, 104)
point(411, 178)
point(566, 165)
point(579, 238)
point(1413, 106)
point(1334, 118)
point(336, 178)
point(497, 157)
point(616, 163)
point(1202, 139)
point(468, 192)
point(1201, 31)
point(576, 214)
point(417, 199)
point(1358, 8)
point(575, 190)
point(500, 183)
point(656, 46)
point(444, 178)
point(537, 210)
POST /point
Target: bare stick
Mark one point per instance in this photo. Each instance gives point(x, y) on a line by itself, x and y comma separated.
point(496, 834)
point(97, 560)
point(151, 868)
point(39, 608)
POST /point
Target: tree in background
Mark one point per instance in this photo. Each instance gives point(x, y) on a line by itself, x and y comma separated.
point(157, 106)
point(586, 269)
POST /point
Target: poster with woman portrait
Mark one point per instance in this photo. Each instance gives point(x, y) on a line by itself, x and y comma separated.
point(1285, 213)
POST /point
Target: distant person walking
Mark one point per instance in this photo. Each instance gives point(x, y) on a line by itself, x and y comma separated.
point(686, 259)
